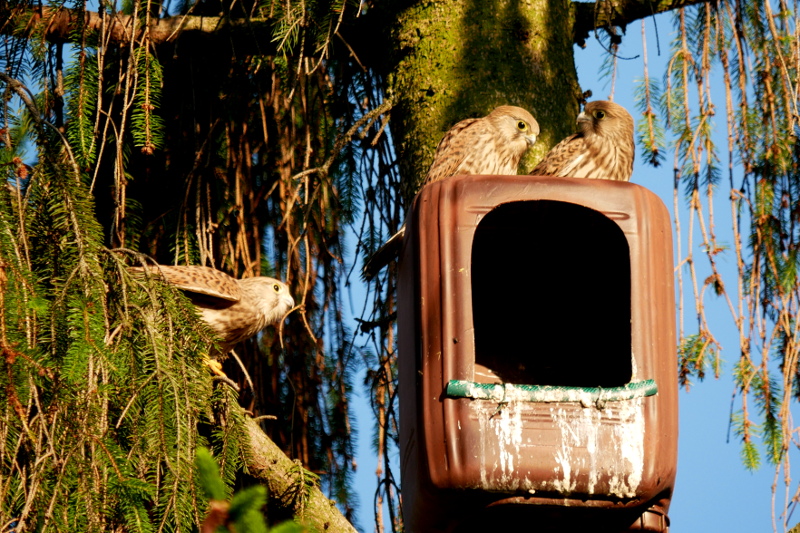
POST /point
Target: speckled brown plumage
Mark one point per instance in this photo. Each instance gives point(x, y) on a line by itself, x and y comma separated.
point(603, 148)
point(493, 144)
point(235, 309)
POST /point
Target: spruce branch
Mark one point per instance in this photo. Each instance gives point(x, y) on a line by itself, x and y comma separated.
point(59, 25)
point(27, 98)
point(590, 16)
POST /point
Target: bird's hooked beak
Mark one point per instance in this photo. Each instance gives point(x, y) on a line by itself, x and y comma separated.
point(531, 139)
point(583, 117)
point(288, 300)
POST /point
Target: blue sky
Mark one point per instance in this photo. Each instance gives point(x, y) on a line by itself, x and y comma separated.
point(714, 492)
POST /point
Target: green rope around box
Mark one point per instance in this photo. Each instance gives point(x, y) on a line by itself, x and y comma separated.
point(506, 392)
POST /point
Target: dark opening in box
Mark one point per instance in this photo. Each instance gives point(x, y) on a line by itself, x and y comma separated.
point(551, 296)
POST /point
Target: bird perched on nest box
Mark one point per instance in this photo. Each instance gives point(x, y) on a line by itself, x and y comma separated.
point(603, 148)
point(493, 144)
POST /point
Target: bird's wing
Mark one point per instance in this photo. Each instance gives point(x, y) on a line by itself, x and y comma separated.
point(200, 280)
point(562, 158)
point(448, 155)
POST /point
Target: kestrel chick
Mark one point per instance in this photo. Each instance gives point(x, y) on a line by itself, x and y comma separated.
point(236, 309)
point(603, 148)
point(493, 144)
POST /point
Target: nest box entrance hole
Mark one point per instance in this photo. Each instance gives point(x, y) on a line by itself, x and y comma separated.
point(551, 296)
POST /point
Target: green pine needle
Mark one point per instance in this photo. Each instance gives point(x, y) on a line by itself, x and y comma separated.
point(208, 475)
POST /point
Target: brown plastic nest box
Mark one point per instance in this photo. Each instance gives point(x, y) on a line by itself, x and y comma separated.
point(538, 374)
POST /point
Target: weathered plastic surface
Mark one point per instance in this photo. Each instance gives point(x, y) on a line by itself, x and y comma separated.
point(571, 285)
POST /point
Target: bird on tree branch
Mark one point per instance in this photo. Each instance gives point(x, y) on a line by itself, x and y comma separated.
point(235, 309)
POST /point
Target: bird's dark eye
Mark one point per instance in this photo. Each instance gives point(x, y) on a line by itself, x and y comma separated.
point(599, 114)
point(522, 125)
point(277, 287)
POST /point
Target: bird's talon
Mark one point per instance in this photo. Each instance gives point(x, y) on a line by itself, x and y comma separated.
point(215, 367)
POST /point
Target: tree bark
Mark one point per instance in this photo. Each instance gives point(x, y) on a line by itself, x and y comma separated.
point(60, 23)
point(272, 467)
